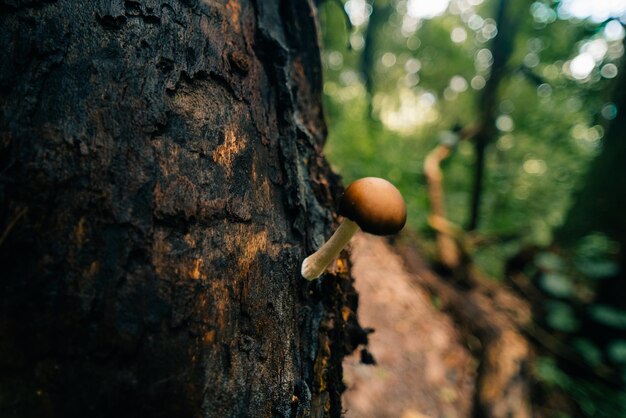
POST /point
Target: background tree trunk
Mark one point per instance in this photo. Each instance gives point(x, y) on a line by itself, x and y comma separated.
point(603, 189)
point(598, 207)
point(161, 181)
point(507, 17)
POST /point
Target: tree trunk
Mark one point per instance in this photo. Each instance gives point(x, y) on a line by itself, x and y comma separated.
point(161, 182)
point(598, 205)
point(507, 18)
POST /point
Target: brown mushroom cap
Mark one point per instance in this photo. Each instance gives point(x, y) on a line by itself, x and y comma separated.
point(375, 205)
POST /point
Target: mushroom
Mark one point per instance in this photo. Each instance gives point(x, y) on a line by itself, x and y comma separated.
point(372, 204)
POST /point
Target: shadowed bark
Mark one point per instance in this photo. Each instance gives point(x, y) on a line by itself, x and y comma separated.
point(161, 180)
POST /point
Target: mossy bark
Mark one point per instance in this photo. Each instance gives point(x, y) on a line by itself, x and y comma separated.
point(161, 181)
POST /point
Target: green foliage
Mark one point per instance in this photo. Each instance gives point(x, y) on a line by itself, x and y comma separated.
point(560, 317)
point(548, 371)
point(557, 285)
point(596, 256)
point(592, 333)
point(617, 351)
point(608, 315)
point(589, 351)
point(426, 76)
point(595, 399)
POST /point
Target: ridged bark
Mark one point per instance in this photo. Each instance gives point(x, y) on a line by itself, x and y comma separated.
point(161, 182)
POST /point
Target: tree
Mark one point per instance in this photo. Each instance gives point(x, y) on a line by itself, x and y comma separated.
point(162, 179)
point(597, 206)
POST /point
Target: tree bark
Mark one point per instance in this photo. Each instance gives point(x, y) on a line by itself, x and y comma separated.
point(161, 182)
point(507, 17)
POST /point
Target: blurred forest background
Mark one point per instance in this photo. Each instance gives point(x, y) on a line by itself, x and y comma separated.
point(515, 109)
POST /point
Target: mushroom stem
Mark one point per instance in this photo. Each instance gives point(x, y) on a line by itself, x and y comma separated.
point(315, 264)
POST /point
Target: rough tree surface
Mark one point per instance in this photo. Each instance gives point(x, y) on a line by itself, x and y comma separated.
point(161, 180)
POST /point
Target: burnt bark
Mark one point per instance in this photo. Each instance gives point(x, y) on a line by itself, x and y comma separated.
point(161, 182)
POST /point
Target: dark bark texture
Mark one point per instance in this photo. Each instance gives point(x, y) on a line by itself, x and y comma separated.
point(161, 180)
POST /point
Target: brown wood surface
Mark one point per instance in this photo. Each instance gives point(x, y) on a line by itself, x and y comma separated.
point(161, 180)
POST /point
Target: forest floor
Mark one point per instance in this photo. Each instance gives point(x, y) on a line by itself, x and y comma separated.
point(423, 369)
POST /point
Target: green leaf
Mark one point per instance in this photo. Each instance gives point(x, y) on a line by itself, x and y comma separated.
point(609, 315)
point(598, 269)
point(549, 372)
point(617, 351)
point(557, 285)
point(596, 245)
point(561, 317)
point(549, 261)
point(588, 350)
